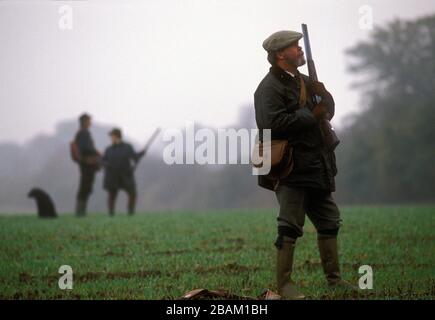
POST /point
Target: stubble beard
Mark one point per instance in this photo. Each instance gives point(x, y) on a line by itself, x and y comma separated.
point(300, 61)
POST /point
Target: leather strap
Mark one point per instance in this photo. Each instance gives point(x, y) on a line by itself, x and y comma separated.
point(303, 94)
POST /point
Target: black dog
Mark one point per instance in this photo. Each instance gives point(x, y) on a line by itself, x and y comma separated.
point(44, 203)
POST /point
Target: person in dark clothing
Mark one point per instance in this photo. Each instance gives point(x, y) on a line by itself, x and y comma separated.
point(281, 105)
point(119, 161)
point(89, 163)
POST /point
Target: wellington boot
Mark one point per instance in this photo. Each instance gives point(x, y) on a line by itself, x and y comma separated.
point(329, 257)
point(284, 267)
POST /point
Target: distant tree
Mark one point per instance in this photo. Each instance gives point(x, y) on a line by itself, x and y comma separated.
point(388, 153)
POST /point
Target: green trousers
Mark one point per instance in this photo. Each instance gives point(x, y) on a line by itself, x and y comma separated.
point(295, 203)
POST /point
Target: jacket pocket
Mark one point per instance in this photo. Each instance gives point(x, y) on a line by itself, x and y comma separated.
point(332, 162)
point(307, 161)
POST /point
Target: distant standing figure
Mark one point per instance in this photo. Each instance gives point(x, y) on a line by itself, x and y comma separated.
point(44, 203)
point(89, 161)
point(119, 161)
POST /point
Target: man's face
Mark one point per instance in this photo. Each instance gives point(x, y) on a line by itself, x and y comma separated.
point(88, 123)
point(292, 55)
point(115, 139)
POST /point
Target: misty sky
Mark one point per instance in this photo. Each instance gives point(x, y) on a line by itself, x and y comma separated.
point(143, 64)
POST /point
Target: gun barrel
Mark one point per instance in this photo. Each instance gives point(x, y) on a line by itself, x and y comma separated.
point(151, 139)
point(330, 138)
point(307, 42)
point(310, 62)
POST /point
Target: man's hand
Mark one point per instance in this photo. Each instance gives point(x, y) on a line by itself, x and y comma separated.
point(318, 88)
point(325, 109)
point(305, 117)
point(321, 112)
point(142, 153)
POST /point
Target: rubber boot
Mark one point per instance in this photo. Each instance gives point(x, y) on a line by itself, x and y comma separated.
point(131, 204)
point(329, 256)
point(284, 267)
point(111, 201)
point(80, 208)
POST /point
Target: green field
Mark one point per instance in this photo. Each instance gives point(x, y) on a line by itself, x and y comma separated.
point(163, 255)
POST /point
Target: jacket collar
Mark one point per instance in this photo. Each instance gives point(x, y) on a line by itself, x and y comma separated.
point(283, 76)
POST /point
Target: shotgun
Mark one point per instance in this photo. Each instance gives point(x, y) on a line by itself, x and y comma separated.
point(330, 139)
point(147, 145)
point(151, 139)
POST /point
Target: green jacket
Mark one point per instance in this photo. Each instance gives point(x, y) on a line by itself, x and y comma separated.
point(277, 108)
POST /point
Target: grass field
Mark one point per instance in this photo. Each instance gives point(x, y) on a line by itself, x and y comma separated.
point(163, 255)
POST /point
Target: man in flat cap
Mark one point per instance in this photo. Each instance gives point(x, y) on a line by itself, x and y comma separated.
point(281, 104)
point(88, 159)
point(119, 161)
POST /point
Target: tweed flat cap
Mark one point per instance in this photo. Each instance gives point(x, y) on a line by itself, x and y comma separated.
point(116, 132)
point(280, 40)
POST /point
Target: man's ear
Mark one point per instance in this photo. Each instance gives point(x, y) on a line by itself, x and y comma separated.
point(279, 55)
